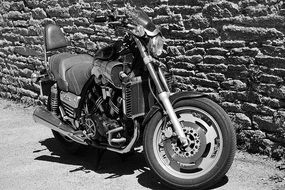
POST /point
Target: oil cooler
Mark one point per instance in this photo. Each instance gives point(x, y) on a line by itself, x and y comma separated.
point(137, 98)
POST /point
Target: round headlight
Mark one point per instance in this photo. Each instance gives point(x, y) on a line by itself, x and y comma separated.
point(156, 45)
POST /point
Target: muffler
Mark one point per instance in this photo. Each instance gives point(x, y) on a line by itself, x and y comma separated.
point(43, 116)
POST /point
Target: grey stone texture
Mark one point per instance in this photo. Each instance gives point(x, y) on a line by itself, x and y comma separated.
point(231, 50)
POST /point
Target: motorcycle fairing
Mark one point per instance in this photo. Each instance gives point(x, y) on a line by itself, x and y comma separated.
point(71, 71)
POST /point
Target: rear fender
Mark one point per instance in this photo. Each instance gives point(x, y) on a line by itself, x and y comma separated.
point(174, 98)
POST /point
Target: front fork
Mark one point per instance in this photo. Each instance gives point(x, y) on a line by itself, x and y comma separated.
point(162, 94)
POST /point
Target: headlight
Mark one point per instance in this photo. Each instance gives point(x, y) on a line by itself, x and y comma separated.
point(156, 45)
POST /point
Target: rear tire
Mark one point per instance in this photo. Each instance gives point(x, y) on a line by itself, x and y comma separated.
point(211, 150)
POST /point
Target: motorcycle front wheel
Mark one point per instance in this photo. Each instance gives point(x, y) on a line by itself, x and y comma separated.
point(209, 155)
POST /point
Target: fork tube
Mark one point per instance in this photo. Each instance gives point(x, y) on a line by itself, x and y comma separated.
point(163, 95)
point(154, 78)
point(163, 80)
point(147, 61)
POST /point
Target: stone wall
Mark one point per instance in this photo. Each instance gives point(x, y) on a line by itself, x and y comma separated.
point(232, 50)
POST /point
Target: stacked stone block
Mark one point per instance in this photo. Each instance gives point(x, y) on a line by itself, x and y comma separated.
point(231, 50)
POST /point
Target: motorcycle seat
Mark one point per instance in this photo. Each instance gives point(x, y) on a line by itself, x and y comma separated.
point(71, 71)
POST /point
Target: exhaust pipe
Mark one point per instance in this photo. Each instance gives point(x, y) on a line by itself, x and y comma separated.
point(43, 116)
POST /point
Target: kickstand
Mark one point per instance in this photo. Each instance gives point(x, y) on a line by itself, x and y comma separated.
point(99, 153)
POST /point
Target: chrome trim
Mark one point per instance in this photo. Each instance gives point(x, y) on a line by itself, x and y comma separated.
point(124, 102)
point(46, 118)
point(163, 80)
point(152, 33)
point(110, 135)
point(129, 147)
point(164, 97)
point(70, 99)
point(147, 60)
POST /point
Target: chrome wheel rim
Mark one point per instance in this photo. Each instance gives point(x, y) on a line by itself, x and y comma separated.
point(205, 144)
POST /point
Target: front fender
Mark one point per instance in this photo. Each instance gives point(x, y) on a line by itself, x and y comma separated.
point(173, 99)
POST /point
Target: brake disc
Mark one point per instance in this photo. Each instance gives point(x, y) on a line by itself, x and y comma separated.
point(190, 155)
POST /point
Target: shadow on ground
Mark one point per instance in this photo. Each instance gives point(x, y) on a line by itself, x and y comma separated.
point(111, 163)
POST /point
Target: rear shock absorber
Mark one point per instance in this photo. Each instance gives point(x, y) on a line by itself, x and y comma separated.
point(54, 98)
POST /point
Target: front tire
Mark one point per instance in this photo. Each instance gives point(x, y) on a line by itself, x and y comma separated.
point(212, 144)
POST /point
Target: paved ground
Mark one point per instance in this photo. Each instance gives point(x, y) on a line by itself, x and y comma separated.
point(31, 159)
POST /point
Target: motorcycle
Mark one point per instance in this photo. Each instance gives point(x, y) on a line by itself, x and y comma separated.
point(121, 98)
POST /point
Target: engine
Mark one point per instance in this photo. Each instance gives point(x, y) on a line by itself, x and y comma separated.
point(102, 110)
point(102, 121)
point(100, 114)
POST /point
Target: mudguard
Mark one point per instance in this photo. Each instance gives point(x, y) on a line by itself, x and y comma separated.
point(173, 99)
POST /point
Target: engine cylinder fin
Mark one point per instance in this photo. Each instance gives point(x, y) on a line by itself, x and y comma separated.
point(98, 103)
point(113, 106)
point(68, 109)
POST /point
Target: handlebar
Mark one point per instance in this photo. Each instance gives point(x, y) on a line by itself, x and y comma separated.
point(116, 21)
point(111, 16)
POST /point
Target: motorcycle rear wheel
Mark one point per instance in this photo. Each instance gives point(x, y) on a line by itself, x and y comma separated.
point(211, 150)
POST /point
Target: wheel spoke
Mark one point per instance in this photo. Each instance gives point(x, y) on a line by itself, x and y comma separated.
point(198, 120)
point(206, 162)
point(211, 135)
point(187, 117)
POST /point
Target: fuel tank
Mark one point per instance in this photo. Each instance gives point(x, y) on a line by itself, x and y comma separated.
point(108, 71)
